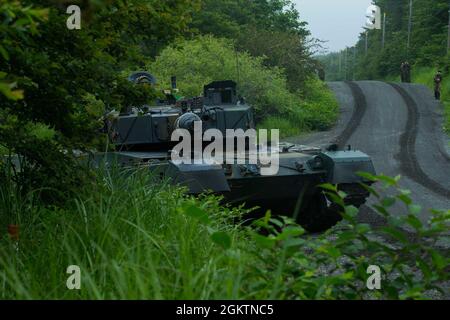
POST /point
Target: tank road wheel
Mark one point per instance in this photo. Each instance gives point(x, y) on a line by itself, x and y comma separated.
point(317, 214)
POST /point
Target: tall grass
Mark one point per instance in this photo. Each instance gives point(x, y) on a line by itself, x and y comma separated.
point(134, 238)
point(130, 238)
point(317, 110)
point(288, 127)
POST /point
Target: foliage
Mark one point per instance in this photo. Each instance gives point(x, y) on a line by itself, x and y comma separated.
point(227, 18)
point(62, 80)
point(319, 111)
point(134, 239)
point(287, 50)
point(204, 59)
point(269, 28)
point(425, 76)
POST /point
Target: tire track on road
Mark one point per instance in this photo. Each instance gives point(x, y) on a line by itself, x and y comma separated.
point(358, 114)
point(407, 156)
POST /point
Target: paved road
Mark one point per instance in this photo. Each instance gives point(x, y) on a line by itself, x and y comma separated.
point(400, 127)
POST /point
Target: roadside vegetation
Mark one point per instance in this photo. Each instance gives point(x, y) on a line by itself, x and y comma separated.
point(205, 59)
point(425, 76)
point(134, 239)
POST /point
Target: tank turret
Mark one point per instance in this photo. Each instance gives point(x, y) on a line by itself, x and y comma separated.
point(150, 127)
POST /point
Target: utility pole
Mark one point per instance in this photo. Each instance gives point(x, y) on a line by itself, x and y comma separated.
point(367, 40)
point(345, 64)
point(354, 63)
point(340, 64)
point(448, 38)
point(384, 31)
point(409, 26)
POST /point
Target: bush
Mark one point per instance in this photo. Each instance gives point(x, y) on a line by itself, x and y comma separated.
point(425, 76)
point(319, 111)
point(205, 59)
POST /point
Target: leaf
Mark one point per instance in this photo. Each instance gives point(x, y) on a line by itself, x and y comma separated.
point(439, 261)
point(351, 211)
point(4, 53)
point(388, 202)
point(424, 268)
point(405, 199)
point(331, 251)
point(381, 210)
point(368, 176)
point(414, 222)
point(277, 222)
point(263, 242)
point(197, 213)
point(15, 95)
point(370, 190)
point(363, 228)
point(289, 232)
point(346, 237)
point(329, 187)
point(294, 242)
point(388, 180)
point(414, 209)
point(222, 239)
point(396, 234)
point(336, 199)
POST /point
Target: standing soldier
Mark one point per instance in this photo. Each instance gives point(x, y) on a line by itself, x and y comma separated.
point(402, 72)
point(407, 72)
point(437, 85)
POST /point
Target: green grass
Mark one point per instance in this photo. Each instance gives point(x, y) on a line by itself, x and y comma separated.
point(287, 127)
point(132, 239)
point(425, 76)
point(136, 239)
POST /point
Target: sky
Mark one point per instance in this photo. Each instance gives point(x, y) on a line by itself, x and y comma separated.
point(337, 21)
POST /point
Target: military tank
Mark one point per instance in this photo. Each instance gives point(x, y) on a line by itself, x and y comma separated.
point(142, 136)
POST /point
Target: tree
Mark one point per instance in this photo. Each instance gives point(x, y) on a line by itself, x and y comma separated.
point(269, 28)
point(428, 39)
point(57, 83)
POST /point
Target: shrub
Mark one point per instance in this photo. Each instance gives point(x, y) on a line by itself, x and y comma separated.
point(425, 76)
point(205, 59)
